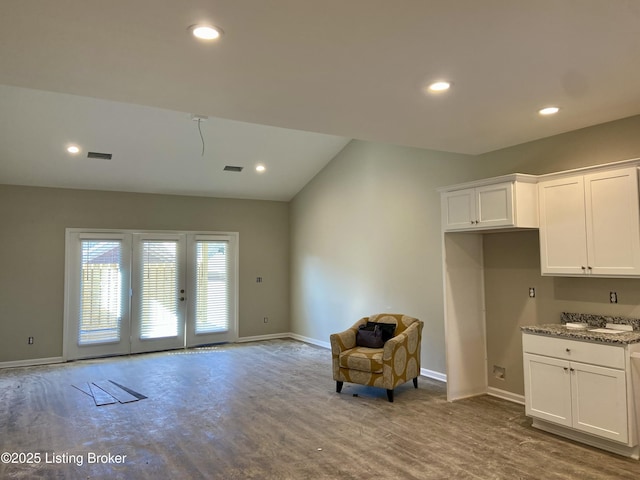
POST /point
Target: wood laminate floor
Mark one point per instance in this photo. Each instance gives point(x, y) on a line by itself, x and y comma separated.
point(268, 410)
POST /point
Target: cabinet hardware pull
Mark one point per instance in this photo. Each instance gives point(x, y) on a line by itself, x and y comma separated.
point(583, 267)
point(566, 369)
point(571, 369)
point(568, 350)
point(589, 268)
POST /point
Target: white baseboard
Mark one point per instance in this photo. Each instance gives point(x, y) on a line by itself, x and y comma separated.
point(432, 374)
point(257, 338)
point(312, 341)
point(294, 336)
point(31, 362)
point(512, 397)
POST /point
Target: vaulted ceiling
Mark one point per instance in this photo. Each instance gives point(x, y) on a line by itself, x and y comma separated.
point(291, 82)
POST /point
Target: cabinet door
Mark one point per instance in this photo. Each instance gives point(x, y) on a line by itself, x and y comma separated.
point(547, 389)
point(563, 238)
point(459, 209)
point(613, 222)
point(494, 205)
point(599, 404)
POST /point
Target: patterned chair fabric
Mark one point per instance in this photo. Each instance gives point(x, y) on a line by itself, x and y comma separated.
point(397, 362)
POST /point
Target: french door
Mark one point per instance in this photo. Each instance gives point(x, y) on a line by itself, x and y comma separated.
point(99, 313)
point(133, 292)
point(158, 292)
point(212, 280)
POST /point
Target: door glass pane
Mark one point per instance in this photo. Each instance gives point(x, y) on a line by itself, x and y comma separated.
point(159, 295)
point(100, 292)
point(212, 287)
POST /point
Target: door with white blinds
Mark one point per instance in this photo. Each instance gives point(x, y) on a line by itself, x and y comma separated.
point(158, 292)
point(212, 307)
point(98, 274)
point(132, 292)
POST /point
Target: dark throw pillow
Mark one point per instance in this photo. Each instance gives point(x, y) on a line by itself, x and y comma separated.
point(388, 329)
point(369, 336)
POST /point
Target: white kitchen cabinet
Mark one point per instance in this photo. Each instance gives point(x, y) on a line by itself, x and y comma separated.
point(509, 201)
point(578, 395)
point(599, 401)
point(547, 389)
point(583, 388)
point(590, 224)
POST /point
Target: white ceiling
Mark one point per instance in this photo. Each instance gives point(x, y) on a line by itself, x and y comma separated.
point(154, 150)
point(127, 74)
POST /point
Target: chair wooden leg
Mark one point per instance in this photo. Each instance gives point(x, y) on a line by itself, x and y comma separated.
point(339, 386)
point(415, 382)
point(390, 395)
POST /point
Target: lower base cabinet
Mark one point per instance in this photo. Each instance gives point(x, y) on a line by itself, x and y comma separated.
point(582, 389)
point(585, 397)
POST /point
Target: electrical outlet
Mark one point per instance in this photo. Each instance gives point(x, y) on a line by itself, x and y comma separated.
point(613, 297)
point(30, 340)
point(499, 372)
point(258, 279)
point(532, 292)
point(265, 319)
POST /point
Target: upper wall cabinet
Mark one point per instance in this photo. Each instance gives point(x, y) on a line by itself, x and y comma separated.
point(590, 224)
point(502, 202)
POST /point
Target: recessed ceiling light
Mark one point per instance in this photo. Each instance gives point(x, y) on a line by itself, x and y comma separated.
point(440, 86)
point(206, 32)
point(73, 149)
point(260, 168)
point(548, 110)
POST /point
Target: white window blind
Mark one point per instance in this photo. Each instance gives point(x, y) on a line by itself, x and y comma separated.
point(159, 295)
point(100, 292)
point(212, 286)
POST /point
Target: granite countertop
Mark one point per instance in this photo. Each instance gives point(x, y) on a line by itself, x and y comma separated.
point(593, 321)
point(559, 330)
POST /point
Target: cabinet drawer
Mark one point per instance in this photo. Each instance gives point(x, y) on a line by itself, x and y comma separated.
point(596, 354)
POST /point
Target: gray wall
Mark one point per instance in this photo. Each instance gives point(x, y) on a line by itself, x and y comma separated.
point(32, 255)
point(512, 265)
point(365, 238)
point(609, 142)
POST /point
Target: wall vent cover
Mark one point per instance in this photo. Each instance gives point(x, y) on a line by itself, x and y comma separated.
point(102, 156)
point(231, 168)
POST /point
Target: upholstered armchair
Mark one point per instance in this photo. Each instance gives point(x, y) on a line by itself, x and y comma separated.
point(395, 363)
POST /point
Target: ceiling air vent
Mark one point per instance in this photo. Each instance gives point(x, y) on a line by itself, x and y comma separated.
point(102, 156)
point(231, 168)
